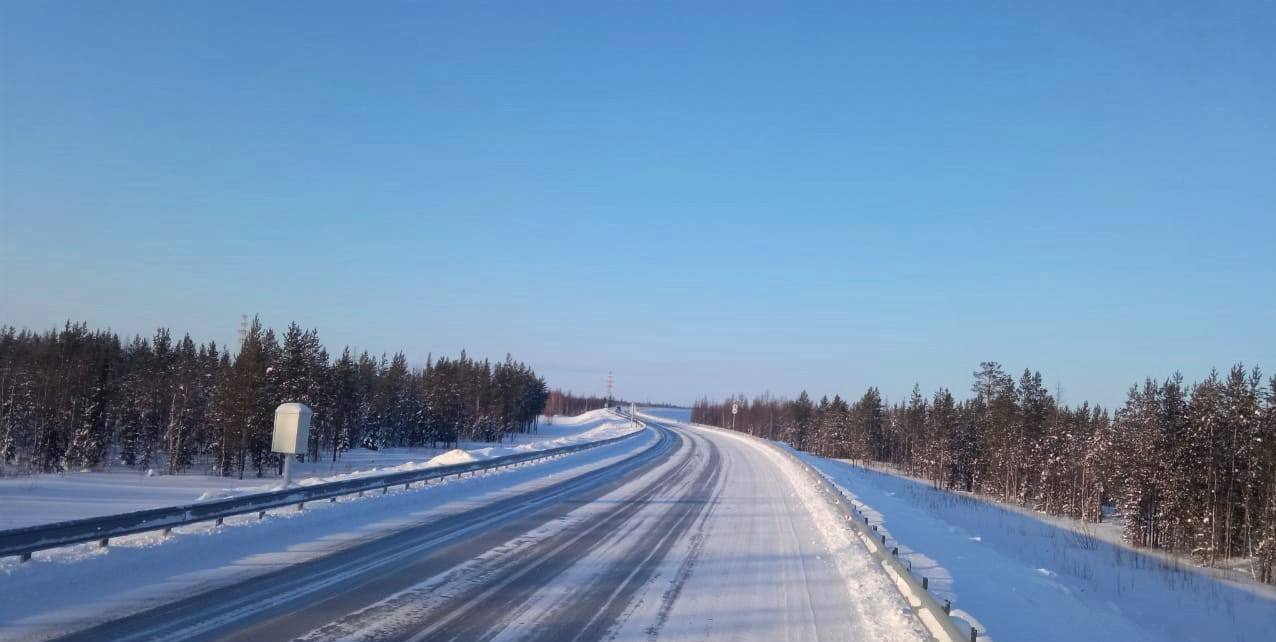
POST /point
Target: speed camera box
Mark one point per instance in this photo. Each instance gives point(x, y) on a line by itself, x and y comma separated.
point(292, 428)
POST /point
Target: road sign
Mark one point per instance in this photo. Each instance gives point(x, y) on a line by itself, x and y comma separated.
point(735, 408)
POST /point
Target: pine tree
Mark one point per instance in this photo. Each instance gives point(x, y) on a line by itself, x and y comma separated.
point(913, 448)
point(802, 413)
point(941, 435)
point(996, 407)
point(346, 403)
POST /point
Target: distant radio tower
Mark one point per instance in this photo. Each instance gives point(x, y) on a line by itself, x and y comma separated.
point(243, 331)
point(610, 382)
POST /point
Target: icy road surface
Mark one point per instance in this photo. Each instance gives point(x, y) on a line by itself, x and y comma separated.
point(696, 535)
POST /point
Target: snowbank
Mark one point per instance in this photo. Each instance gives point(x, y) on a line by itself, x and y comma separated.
point(452, 457)
point(1020, 577)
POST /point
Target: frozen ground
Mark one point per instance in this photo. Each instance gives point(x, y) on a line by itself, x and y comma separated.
point(1022, 577)
point(42, 499)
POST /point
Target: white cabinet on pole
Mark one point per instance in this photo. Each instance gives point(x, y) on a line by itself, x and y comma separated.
point(292, 433)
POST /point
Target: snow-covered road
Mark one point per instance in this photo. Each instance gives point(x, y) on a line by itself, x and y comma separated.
point(697, 534)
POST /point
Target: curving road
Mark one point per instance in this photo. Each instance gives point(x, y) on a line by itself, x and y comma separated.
point(697, 535)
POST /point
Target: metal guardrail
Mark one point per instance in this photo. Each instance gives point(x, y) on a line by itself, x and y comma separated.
point(22, 542)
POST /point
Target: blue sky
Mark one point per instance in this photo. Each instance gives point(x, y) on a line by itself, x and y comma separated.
point(704, 197)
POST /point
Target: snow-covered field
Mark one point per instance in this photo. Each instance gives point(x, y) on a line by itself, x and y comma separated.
point(1018, 576)
point(42, 499)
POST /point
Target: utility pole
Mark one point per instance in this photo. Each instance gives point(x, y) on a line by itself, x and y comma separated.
point(243, 331)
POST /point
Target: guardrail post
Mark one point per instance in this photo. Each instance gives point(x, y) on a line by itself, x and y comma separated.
point(926, 583)
point(25, 557)
point(167, 532)
point(219, 521)
point(301, 506)
point(104, 542)
point(948, 607)
point(974, 634)
point(883, 540)
point(261, 514)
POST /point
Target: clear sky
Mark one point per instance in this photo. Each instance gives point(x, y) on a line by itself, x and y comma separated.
point(704, 197)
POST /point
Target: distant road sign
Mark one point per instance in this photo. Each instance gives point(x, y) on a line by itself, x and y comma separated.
point(735, 408)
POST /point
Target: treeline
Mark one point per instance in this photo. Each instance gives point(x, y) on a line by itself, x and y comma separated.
point(77, 398)
point(1192, 469)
